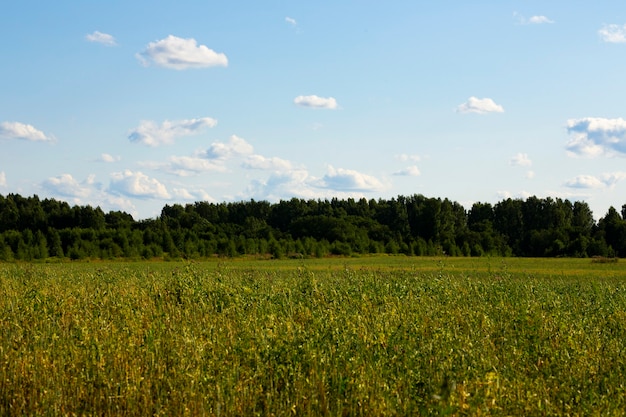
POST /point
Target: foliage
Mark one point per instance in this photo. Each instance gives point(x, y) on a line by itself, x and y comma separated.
point(442, 336)
point(31, 228)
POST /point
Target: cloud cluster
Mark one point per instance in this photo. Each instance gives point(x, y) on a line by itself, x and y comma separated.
point(185, 166)
point(607, 180)
point(178, 53)
point(596, 136)
point(268, 164)
point(102, 38)
point(138, 185)
point(235, 146)
point(213, 159)
point(65, 185)
point(348, 180)
point(316, 102)
point(480, 106)
point(291, 21)
point(613, 33)
point(151, 134)
point(17, 130)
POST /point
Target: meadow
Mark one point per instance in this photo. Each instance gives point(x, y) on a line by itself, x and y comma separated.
point(371, 336)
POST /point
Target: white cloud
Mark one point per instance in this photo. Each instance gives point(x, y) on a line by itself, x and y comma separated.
point(530, 175)
point(191, 195)
point(137, 184)
point(585, 181)
point(284, 185)
point(613, 33)
point(291, 21)
point(298, 183)
point(178, 53)
point(65, 185)
point(185, 166)
point(235, 146)
point(404, 157)
point(596, 136)
point(151, 134)
point(533, 20)
point(610, 179)
point(537, 20)
point(3, 179)
point(607, 180)
point(103, 38)
point(412, 171)
point(105, 157)
point(17, 130)
point(261, 162)
point(521, 159)
point(481, 106)
point(348, 180)
point(316, 102)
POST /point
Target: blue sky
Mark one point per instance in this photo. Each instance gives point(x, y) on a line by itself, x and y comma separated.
point(134, 105)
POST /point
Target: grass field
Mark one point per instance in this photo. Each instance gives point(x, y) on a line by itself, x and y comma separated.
point(367, 336)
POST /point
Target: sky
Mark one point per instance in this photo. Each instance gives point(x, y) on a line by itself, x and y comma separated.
point(134, 105)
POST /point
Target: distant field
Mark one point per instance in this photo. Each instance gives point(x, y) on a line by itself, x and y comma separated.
point(346, 336)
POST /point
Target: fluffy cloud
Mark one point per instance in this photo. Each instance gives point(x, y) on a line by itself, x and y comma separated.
point(585, 181)
point(178, 53)
point(284, 185)
point(65, 185)
point(595, 136)
point(613, 33)
point(316, 102)
point(185, 166)
point(105, 157)
point(192, 195)
point(103, 38)
point(533, 20)
point(521, 159)
point(261, 162)
point(151, 134)
point(606, 180)
point(235, 146)
point(348, 180)
point(299, 183)
point(412, 171)
point(537, 20)
point(291, 21)
point(137, 184)
point(17, 130)
point(480, 106)
point(3, 179)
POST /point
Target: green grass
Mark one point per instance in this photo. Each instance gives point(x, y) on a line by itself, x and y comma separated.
point(356, 336)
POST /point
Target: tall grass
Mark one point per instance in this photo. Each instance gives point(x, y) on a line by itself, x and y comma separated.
point(111, 339)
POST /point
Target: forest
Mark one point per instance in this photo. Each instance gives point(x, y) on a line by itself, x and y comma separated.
point(32, 228)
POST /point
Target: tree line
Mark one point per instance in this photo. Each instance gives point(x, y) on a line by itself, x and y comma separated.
point(32, 228)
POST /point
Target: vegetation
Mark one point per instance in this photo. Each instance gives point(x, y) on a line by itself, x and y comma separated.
point(31, 228)
point(382, 336)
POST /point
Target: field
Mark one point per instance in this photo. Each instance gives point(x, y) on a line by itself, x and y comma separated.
point(356, 336)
